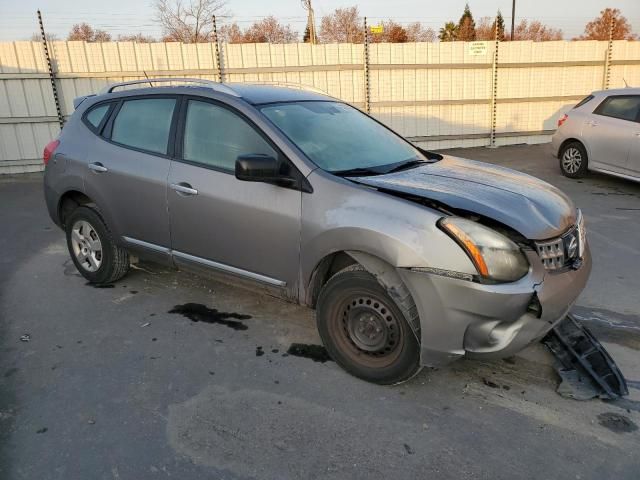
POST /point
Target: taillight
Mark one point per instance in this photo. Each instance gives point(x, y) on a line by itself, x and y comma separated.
point(49, 150)
point(562, 119)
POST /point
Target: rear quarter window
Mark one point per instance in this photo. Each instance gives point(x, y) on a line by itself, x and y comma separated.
point(584, 101)
point(95, 116)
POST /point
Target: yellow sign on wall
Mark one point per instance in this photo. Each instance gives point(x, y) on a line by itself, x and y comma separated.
point(377, 29)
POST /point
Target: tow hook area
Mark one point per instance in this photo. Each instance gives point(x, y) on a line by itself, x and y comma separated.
point(585, 367)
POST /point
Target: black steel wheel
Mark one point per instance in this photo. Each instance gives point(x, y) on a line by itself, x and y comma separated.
point(364, 331)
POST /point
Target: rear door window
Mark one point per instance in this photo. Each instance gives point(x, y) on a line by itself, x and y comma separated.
point(624, 107)
point(144, 124)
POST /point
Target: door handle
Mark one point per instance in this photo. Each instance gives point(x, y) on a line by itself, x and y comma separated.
point(184, 188)
point(98, 167)
point(637, 134)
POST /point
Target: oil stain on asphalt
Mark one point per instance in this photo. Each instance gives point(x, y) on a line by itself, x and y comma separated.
point(317, 353)
point(196, 312)
point(100, 285)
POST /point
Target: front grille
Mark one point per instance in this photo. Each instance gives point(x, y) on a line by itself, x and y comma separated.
point(560, 252)
point(551, 253)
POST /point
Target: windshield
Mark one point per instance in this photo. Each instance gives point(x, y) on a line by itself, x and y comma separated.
point(339, 138)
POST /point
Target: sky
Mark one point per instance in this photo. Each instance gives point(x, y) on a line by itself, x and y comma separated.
point(18, 17)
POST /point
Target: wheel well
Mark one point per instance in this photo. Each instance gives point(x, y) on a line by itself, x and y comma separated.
point(69, 202)
point(568, 141)
point(326, 268)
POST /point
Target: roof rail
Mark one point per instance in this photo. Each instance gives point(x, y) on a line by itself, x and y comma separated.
point(299, 86)
point(214, 85)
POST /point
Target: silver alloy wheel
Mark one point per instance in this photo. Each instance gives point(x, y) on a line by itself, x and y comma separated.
point(87, 246)
point(571, 160)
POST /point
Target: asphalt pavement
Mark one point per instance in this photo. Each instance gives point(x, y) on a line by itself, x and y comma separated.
point(169, 375)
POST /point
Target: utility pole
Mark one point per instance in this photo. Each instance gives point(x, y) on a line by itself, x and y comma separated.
point(513, 18)
point(311, 22)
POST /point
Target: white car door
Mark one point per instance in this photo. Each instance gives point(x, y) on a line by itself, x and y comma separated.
point(610, 132)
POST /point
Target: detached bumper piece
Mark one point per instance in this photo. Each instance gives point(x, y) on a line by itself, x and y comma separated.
point(585, 367)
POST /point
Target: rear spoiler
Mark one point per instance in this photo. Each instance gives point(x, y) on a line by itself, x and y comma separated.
point(79, 100)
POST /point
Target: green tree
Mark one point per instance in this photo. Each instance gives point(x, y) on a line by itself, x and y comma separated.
point(466, 26)
point(449, 32)
point(499, 25)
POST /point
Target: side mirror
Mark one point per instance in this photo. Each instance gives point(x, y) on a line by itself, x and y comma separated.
point(258, 167)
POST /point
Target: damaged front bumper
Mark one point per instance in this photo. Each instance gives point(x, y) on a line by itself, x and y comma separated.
point(459, 317)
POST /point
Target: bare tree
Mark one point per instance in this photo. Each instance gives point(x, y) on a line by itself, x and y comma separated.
point(486, 28)
point(344, 25)
point(417, 33)
point(269, 30)
point(85, 32)
point(392, 32)
point(37, 37)
point(137, 38)
point(598, 29)
point(230, 33)
point(536, 31)
point(188, 21)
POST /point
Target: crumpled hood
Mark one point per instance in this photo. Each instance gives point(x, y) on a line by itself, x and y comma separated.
point(528, 205)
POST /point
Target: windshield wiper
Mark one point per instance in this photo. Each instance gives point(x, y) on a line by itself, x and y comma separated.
point(357, 172)
point(405, 165)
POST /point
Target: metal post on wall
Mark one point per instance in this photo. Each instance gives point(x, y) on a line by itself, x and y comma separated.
point(607, 60)
point(367, 90)
point(52, 76)
point(494, 89)
point(218, 54)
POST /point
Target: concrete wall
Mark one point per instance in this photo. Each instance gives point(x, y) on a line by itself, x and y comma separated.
point(439, 95)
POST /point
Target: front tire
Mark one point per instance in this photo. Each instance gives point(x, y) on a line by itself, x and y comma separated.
point(92, 249)
point(364, 331)
point(573, 160)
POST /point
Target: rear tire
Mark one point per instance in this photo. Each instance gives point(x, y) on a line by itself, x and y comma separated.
point(92, 249)
point(573, 160)
point(364, 331)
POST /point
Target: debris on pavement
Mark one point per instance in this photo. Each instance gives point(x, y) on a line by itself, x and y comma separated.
point(585, 367)
point(146, 324)
point(489, 383)
point(616, 423)
point(25, 338)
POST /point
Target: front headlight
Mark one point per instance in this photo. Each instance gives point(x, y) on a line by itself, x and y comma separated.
point(495, 256)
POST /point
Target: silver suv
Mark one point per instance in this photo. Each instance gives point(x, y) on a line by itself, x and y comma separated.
point(410, 258)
